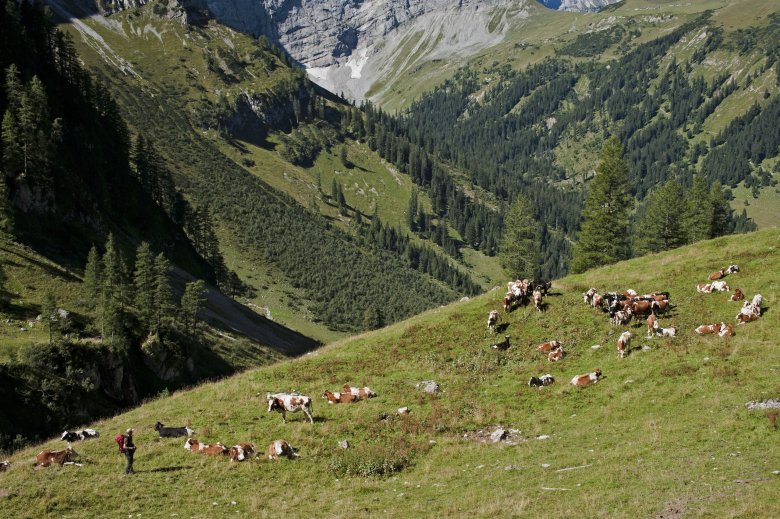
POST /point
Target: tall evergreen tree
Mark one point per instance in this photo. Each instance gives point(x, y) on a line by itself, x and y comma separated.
point(192, 301)
point(144, 284)
point(112, 289)
point(411, 211)
point(662, 227)
point(6, 211)
point(93, 278)
point(698, 210)
point(521, 241)
point(163, 292)
point(603, 237)
point(721, 211)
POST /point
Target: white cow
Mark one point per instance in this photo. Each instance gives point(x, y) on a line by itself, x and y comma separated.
point(292, 402)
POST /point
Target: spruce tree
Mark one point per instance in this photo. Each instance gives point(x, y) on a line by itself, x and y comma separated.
point(698, 210)
point(521, 241)
point(144, 284)
point(163, 292)
point(111, 291)
point(93, 278)
point(192, 301)
point(6, 211)
point(661, 228)
point(721, 211)
point(603, 237)
point(411, 211)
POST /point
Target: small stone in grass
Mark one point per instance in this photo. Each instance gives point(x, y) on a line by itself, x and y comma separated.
point(545, 465)
point(595, 346)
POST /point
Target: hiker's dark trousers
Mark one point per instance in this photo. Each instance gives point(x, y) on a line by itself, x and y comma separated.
point(129, 456)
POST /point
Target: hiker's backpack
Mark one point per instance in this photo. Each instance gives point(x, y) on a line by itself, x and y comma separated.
point(120, 440)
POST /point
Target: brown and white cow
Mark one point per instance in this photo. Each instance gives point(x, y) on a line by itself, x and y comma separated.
point(651, 324)
point(508, 300)
point(597, 301)
point(704, 288)
point(746, 318)
point(194, 445)
point(586, 380)
point(280, 448)
point(548, 346)
point(493, 318)
point(587, 297)
point(241, 452)
point(644, 307)
point(624, 341)
point(334, 397)
point(708, 328)
point(622, 317)
point(726, 330)
point(48, 457)
point(720, 286)
point(665, 332)
point(289, 402)
point(738, 295)
point(537, 297)
point(717, 274)
point(556, 355)
point(359, 393)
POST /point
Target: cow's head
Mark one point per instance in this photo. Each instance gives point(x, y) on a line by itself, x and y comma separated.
point(158, 426)
point(273, 403)
point(66, 436)
point(190, 444)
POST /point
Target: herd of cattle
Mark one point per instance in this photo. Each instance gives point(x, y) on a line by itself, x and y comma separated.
point(621, 308)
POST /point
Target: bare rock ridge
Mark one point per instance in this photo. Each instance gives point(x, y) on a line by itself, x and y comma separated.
point(577, 5)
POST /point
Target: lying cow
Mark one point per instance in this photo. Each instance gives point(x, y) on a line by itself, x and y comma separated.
point(726, 331)
point(84, 434)
point(358, 392)
point(624, 341)
point(194, 445)
point(665, 332)
point(280, 448)
point(720, 286)
point(709, 328)
point(586, 380)
point(746, 318)
point(289, 402)
point(503, 345)
point(544, 380)
point(5, 465)
point(241, 452)
point(548, 346)
point(717, 274)
point(732, 269)
point(556, 355)
point(49, 457)
point(738, 295)
point(172, 432)
point(493, 319)
point(704, 288)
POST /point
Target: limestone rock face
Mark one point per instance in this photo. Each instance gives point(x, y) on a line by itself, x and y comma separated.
point(577, 5)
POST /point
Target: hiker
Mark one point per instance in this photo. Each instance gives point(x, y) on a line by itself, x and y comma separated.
point(128, 448)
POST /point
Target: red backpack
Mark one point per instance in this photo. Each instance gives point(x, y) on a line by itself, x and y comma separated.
point(120, 440)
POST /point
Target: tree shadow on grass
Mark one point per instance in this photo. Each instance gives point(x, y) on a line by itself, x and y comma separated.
point(168, 469)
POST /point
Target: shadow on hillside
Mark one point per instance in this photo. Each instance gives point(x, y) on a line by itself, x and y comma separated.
point(501, 328)
point(168, 469)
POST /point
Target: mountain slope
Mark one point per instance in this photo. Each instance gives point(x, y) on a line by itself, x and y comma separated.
point(665, 432)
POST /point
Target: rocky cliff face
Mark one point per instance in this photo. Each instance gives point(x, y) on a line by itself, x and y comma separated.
point(348, 45)
point(577, 5)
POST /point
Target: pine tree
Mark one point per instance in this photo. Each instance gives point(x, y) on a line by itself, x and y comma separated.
point(112, 289)
point(661, 228)
point(521, 241)
point(721, 211)
point(163, 292)
point(6, 211)
point(192, 301)
point(93, 278)
point(411, 211)
point(698, 210)
point(603, 237)
point(144, 284)
point(372, 318)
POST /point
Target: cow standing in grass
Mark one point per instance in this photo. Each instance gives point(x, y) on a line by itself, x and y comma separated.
point(289, 402)
point(624, 341)
point(493, 318)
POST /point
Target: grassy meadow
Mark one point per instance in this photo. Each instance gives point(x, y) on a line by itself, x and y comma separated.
point(664, 434)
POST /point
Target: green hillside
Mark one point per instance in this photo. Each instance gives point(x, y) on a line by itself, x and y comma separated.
point(665, 433)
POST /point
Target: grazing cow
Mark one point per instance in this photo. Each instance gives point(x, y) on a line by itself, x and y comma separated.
point(5, 465)
point(622, 317)
point(624, 341)
point(732, 269)
point(704, 288)
point(548, 346)
point(586, 380)
point(280, 448)
point(544, 380)
point(661, 307)
point(292, 402)
point(194, 445)
point(493, 319)
point(588, 296)
point(597, 301)
point(541, 284)
point(717, 274)
point(658, 296)
point(708, 328)
point(502, 346)
point(720, 286)
point(645, 306)
point(665, 332)
point(556, 355)
point(359, 393)
point(726, 330)
point(651, 324)
point(172, 432)
point(49, 457)
point(508, 300)
point(738, 295)
point(537, 296)
point(84, 434)
point(241, 452)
